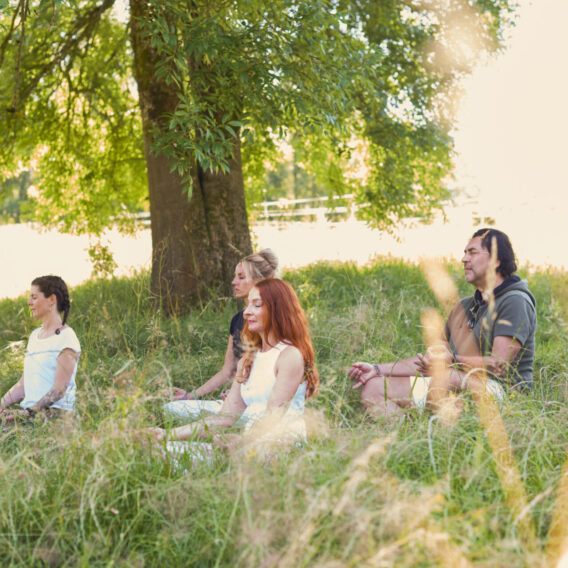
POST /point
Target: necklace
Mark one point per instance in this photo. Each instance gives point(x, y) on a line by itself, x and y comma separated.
point(45, 333)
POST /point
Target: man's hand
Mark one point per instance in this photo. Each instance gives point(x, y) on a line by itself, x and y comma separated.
point(360, 373)
point(495, 365)
point(424, 364)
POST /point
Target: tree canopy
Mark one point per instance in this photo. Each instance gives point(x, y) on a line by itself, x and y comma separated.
point(190, 99)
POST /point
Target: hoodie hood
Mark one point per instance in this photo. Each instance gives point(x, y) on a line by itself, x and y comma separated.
point(518, 284)
point(509, 284)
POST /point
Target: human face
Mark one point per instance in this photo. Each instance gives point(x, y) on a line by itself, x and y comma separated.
point(476, 261)
point(255, 312)
point(39, 304)
point(242, 282)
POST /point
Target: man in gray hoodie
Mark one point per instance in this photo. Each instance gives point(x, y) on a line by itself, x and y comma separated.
point(493, 330)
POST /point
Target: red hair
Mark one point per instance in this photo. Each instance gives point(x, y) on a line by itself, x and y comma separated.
point(287, 322)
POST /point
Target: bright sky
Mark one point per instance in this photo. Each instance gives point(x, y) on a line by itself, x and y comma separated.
point(511, 137)
point(512, 159)
point(512, 163)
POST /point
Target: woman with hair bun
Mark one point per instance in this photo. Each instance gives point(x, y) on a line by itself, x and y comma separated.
point(274, 377)
point(250, 269)
point(47, 384)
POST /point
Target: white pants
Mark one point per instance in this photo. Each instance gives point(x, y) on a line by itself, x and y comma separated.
point(191, 409)
point(420, 386)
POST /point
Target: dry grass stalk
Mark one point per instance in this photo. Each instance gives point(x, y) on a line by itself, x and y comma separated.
point(494, 427)
point(440, 544)
point(441, 283)
point(488, 410)
point(439, 398)
point(507, 470)
point(360, 465)
point(557, 544)
point(422, 529)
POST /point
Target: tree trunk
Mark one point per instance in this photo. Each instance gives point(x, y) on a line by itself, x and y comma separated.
point(197, 241)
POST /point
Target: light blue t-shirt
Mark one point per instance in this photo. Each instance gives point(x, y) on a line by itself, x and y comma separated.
point(39, 367)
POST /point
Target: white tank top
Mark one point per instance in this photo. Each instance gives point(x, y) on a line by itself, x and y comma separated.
point(256, 391)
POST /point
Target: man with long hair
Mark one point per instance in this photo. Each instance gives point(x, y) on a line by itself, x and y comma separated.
point(491, 333)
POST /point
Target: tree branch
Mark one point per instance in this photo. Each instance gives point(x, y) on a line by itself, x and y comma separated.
point(23, 16)
point(82, 30)
point(9, 34)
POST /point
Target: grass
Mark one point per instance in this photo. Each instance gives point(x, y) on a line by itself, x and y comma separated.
point(408, 492)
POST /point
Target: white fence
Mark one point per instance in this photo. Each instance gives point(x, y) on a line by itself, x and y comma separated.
point(290, 208)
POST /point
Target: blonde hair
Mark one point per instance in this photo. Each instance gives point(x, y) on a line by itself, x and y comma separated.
point(260, 265)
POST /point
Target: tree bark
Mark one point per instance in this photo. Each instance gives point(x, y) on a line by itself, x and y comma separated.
point(197, 241)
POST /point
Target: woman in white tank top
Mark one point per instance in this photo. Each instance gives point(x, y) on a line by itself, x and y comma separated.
point(188, 405)
point(274, 377)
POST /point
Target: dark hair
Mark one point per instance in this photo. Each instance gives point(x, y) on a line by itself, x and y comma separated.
point(55, 285)
point(505, 254)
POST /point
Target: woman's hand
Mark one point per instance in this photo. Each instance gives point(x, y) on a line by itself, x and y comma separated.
point(149, 435)
point(360, 373)
point(227, 441)
point(155, 434)
point(180, 394)
point(12, 415)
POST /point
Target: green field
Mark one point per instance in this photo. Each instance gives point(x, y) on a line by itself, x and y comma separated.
point(407, 492)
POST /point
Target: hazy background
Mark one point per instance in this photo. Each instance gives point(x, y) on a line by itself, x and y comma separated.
point(511, 167)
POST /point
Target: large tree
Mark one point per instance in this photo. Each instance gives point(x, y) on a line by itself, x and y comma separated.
point(182, 100)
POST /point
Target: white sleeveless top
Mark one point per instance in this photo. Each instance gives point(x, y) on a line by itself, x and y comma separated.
point(256, 391)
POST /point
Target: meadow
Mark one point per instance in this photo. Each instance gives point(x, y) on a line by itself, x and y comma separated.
point(404, 492)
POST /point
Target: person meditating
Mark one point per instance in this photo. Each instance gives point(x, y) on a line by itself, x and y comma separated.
point(188, 405)
point(274, 377)
point(47, 384)
point(493, 331)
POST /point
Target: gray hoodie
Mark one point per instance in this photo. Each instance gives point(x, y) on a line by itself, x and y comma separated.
point(473, 325)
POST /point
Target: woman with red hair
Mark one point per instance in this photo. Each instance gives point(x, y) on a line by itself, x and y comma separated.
point(189, 405)
point(274, 377)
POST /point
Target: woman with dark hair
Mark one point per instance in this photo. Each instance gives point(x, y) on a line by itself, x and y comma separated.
point(47, 384)
point(188, 405)
point(274, 377)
